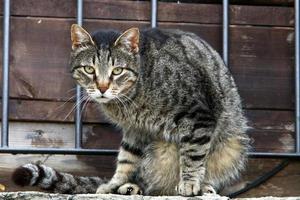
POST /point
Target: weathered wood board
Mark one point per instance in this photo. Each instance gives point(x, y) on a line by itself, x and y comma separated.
point(62, 135)
point(279, 138)
point(274, 128)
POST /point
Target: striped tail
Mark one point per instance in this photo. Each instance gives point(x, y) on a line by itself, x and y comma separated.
point(52, 180)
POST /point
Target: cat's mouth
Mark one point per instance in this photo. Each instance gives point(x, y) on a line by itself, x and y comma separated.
point(102, 99)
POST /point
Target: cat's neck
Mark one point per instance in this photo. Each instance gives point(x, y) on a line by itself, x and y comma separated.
point(119, 110)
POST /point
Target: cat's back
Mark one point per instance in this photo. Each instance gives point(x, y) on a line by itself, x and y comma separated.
point(182, 46)
point(161, 37)
point(161, 34)
point(180, 51)
point(179, 64)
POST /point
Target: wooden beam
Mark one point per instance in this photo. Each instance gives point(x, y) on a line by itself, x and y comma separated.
point(52, 111)
point(28, 134)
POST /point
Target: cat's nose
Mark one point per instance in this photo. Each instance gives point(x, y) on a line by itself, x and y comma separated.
point(103, 89)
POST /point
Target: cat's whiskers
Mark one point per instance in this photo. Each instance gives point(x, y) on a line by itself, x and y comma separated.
point(68, 100)
point(71, 90)
point(83, 98)
point(116, 100)
point(64, 103)
point(129, 100)
point(126, 111)
point(84, 107)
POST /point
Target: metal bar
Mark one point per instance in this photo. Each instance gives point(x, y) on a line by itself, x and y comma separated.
point(297, 76)
point(5, 75)
point(112, 152)
point(225, 31)
point(79, 12)
point(273, 155)
point(153, 13)
point(78, 121)
point(59, 151)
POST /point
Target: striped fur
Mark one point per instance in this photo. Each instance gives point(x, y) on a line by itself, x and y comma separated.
point(49, 179)
point(184, 131)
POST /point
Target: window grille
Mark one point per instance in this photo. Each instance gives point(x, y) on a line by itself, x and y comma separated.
point(78, 123)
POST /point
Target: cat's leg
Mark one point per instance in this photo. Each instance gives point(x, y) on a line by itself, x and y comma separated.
point(194, 148)
point(226, 161)
point(129, 156)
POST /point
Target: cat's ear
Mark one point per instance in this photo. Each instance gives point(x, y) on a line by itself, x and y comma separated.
point(79, 36)
point(129, 40)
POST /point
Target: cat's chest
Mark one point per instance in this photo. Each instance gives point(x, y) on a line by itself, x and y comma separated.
point(142, 118)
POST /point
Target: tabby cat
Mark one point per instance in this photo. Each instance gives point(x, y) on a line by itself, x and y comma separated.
point(179, 108)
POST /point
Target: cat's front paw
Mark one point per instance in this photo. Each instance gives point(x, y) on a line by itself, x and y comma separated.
point(208, 189)
point(130, 189)
point(105, 189)
point(189, 188)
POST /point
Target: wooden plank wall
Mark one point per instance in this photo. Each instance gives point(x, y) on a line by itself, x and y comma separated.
point(42, 91)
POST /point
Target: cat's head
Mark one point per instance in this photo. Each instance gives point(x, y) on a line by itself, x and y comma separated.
point(107, 67)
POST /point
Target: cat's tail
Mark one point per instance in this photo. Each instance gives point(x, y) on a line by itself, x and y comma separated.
point(49, 179)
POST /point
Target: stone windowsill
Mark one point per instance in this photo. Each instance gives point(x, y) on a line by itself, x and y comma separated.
point(49, 196)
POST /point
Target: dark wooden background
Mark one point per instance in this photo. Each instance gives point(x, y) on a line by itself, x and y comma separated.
point(261, 60)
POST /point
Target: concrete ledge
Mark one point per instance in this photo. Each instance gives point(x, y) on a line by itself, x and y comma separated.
point(50, 196)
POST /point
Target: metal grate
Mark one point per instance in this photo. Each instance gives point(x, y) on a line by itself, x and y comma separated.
point(78, 123)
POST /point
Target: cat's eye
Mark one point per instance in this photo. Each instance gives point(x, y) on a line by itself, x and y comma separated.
point(89, 69)
point(117, 71)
